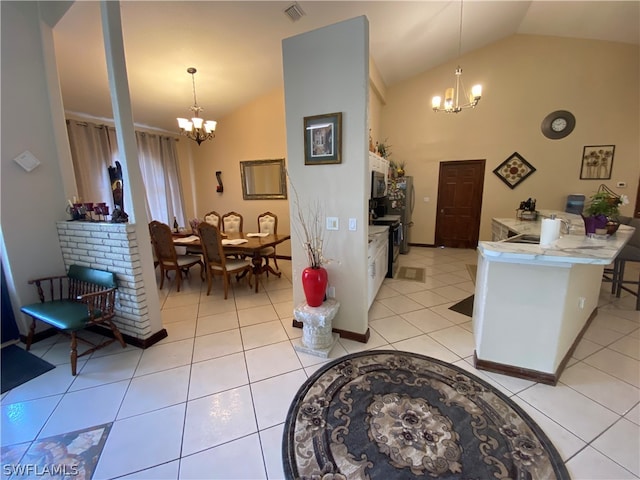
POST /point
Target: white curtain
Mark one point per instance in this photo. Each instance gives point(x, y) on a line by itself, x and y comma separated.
point(94, 148)
point(161, 177)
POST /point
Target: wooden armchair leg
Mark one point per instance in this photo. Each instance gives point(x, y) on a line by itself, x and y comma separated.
point(116, 333)
point(74, 353)
point(32, 330)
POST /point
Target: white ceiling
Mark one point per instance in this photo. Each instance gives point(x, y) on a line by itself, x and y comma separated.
point(236, 45)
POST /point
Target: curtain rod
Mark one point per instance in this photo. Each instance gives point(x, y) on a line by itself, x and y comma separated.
point(87, 124)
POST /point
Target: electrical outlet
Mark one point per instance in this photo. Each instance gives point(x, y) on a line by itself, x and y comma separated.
point(332, 223)
point(331, 292)
point(353, 224)
point(581, 302)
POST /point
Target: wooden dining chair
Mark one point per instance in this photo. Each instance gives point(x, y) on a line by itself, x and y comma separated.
point(167, 257)
point(213, 218)
point(268, 223)
point(232, 222)
point(216, 261)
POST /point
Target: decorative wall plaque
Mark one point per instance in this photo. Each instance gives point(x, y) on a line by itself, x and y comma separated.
point(514, 170)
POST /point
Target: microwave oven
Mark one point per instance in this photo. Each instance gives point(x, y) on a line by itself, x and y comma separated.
point(378, 185)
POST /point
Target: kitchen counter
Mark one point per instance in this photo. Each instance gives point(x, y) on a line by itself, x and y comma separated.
point(375, 229)
point(574, 247)
point(533, 303)
point(386, 219)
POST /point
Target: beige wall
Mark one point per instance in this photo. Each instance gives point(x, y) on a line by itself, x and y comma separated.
point(558, 73)
point(256, 131)
point(524, 78)
point(326, 70)
point(31, 201)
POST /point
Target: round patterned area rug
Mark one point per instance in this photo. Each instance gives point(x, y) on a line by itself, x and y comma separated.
point(386, 414)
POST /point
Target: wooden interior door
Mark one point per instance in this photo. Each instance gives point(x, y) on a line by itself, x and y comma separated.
point(460, 187)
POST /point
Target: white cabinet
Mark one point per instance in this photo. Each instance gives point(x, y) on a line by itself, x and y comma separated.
point(377, 263)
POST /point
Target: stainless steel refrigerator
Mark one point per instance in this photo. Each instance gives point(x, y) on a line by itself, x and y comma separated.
point(401, 199)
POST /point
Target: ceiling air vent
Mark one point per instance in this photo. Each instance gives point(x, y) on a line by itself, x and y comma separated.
point(294, 12)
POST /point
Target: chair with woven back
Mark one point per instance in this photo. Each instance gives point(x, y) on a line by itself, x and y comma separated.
point(216, 261)
point(168, 258)
point(268, 223)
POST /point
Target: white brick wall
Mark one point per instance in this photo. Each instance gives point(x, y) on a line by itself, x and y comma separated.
point(112, 247)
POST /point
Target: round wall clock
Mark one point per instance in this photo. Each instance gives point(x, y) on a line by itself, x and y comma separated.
point(558, 124)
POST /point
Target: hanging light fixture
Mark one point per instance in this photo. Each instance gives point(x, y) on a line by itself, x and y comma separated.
point(197, 128)
point(452, 95)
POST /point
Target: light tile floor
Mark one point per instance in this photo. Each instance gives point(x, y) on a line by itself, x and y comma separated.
point(210, 401)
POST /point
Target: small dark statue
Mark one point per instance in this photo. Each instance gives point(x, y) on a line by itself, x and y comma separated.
point(115, 175)
point(528, 205)
point(119, 216)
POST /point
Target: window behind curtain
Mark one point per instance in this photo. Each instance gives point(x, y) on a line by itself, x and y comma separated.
point(94, 148)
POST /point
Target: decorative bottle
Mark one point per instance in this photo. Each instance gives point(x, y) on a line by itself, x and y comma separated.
point(175, 225)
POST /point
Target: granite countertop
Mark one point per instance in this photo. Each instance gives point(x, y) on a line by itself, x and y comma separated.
point(574, 247)
point(375, 229)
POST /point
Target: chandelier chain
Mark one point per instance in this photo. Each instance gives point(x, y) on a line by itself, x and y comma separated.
point(197, 128)
point(460, 33)
point(452, 95)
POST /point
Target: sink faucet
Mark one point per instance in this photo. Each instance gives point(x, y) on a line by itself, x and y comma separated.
point(566, 224)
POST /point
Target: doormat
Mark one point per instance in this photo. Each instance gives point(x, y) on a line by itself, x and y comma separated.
point(465, 307)
point(20, 366)
point(69, 455)
point(411, 273)
point(388, 414)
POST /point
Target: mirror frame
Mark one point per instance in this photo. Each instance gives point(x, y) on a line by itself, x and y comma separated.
point(279, 195)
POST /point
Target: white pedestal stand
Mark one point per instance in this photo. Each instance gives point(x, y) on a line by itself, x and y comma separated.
point(317, 337)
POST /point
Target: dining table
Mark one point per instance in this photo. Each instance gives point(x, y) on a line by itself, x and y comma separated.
point(250, 244)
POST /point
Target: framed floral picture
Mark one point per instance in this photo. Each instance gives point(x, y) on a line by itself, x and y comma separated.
point(514, 170)
point(323, 139)
point(597, 162)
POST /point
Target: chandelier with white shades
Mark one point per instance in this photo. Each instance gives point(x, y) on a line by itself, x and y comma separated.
point(453, 96)
point(197, 128)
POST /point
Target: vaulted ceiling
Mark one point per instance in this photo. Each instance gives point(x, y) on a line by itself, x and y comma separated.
point(236, 45)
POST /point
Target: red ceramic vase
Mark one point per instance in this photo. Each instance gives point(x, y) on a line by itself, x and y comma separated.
point(314, 283)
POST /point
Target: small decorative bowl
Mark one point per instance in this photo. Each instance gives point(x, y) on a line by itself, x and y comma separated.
point(612, 227)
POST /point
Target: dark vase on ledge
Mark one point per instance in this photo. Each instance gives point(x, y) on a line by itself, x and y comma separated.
point(314, 284)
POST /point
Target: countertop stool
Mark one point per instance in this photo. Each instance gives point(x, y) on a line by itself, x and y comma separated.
point(317, 337)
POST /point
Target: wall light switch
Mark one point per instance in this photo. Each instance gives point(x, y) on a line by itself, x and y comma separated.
point(425, 199)
point(332, 223)
point(353, 224)
point(621, 184)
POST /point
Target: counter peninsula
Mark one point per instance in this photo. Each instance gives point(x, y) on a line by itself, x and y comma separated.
point(533, 303)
